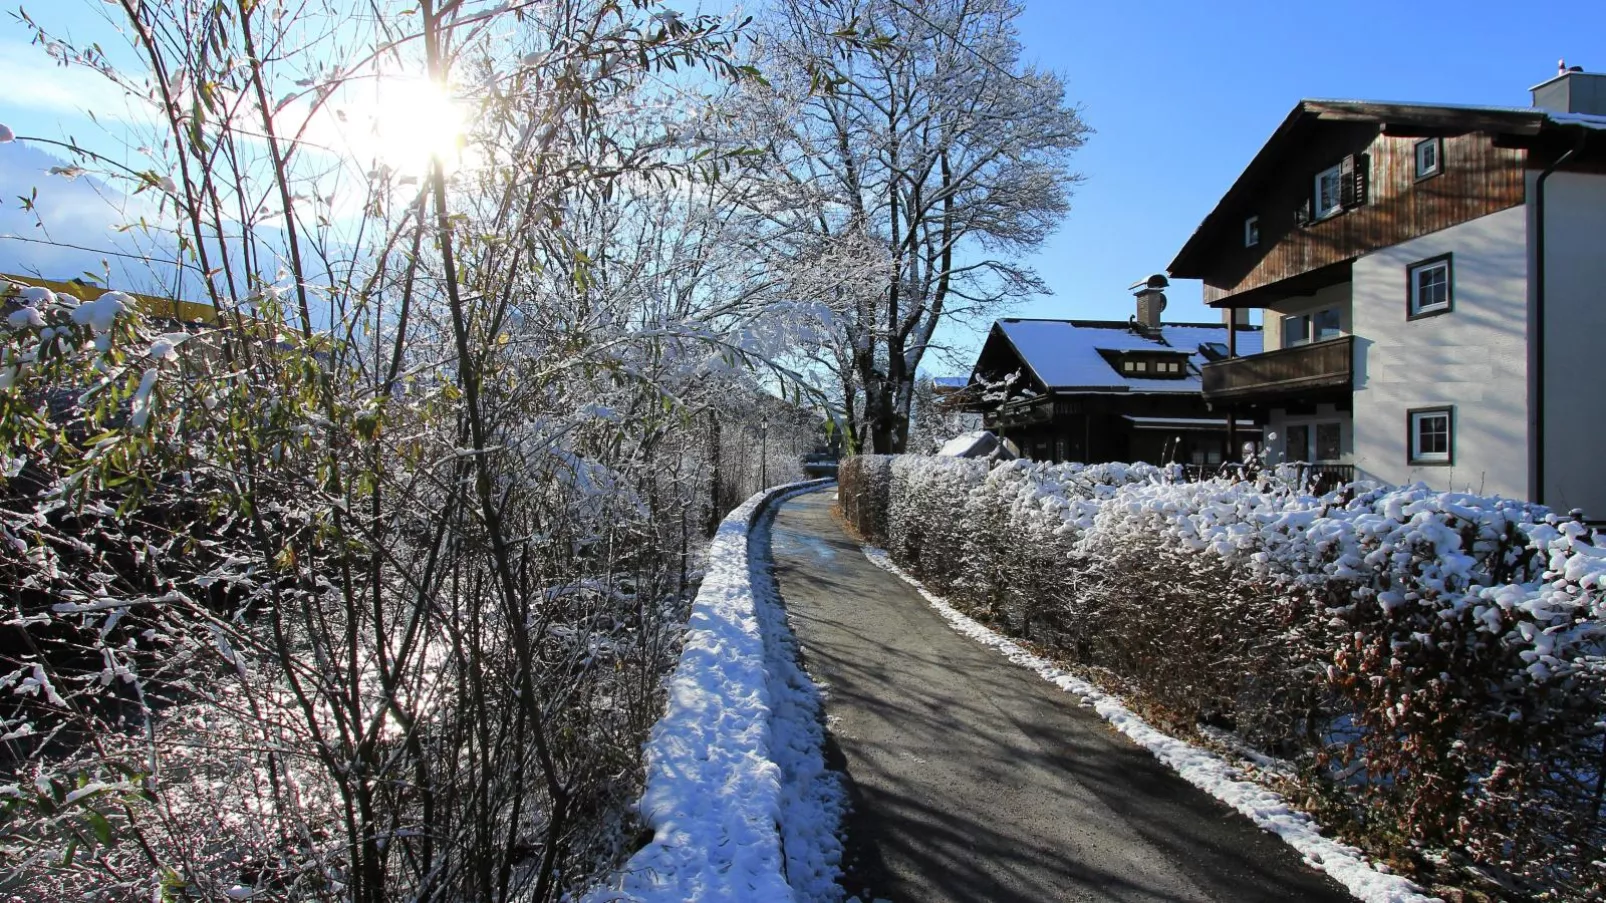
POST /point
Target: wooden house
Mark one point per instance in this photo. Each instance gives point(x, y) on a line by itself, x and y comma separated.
point(1109, 390)
point(1433, 282)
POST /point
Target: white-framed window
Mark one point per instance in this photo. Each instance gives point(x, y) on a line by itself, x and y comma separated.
point(1329, 193)
point(1251, 231)
point(1431, 434)
point(1432, 287)
point(1429, 157)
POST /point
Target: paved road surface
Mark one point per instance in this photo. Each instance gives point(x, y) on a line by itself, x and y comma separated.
point(973, 779)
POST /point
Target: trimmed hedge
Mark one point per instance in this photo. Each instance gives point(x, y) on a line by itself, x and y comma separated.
point(1432, 662)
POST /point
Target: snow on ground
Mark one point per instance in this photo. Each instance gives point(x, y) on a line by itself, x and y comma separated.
point(812, 796)
point(1208, 772)
point(735, 764)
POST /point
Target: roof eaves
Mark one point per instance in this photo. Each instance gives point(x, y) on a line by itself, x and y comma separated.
point(1004, 334)
point(1511, 120)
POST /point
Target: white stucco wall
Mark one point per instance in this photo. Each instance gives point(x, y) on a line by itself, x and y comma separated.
point(1575, 318)
point(1473, 358)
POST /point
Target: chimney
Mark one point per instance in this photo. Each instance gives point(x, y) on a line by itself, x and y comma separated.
point(1572, 91)
point(1151, 302)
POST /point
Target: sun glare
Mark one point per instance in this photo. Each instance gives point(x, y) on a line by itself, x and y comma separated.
point(412, 120)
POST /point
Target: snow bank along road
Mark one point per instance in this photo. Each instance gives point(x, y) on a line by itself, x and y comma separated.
point(972, 779)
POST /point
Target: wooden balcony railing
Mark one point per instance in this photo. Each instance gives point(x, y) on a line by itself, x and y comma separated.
point(1284, 372)
point(1315, 477)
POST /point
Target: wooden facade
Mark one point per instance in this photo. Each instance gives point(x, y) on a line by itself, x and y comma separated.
point(1485, 155)
point(1096, 428)
point(1089, 407)
point(1476, 178)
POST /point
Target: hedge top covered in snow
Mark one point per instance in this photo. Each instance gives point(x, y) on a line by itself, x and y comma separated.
point(1434, 660)
point(1525, 573)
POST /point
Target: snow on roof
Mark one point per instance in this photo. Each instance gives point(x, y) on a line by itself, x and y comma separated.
point(950, 382)
point(1587, 120)
point(1064, 354)
point(968, 445)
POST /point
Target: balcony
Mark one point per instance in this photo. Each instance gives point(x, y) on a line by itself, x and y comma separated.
point(1284, 373)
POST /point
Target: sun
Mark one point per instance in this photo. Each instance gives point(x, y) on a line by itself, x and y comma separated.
point(412, 120)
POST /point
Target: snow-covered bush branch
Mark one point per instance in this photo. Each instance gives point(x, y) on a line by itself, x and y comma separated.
point(360, 585)
point(1433, 662)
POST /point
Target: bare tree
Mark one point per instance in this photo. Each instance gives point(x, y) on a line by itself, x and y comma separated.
point(362, 589)
point(912, 134)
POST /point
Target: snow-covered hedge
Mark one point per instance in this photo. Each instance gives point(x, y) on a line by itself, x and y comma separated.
point(738, 796)
point(1432, 661)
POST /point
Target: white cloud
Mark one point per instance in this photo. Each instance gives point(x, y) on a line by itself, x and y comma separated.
point(41, 85)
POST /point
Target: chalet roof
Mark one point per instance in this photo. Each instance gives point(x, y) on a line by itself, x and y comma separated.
point(1064, 355)
point(1519, 123)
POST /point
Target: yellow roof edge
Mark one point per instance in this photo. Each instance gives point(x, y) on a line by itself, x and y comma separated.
point(151, 305)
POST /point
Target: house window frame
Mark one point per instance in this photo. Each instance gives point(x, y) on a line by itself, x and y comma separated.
point(1437, 144)
point(1316, 442)
point(1288, 319)
point(1413, 456)
point(1319, 213)
point(1304, 453)
point(1313, 330)
point(1252, 231)
point(1311, 453)
point(1414, 310)
point(1309, 332)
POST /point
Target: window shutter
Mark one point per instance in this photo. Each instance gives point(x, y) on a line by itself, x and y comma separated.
point(1346, 183)
point(1302, 213)
point(1363, 179)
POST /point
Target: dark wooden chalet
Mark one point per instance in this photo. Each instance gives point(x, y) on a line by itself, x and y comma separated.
point(1108, 390)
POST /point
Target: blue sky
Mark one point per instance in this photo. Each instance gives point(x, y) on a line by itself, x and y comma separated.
point(1182, 94)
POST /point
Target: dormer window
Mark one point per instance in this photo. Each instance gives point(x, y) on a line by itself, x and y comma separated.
point(1251, 231)
point(1148, 365)
point(1429, 157)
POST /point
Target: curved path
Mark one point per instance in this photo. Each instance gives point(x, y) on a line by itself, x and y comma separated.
point(973, 779)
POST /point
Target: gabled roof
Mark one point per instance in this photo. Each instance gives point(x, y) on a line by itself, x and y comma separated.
point(1512, 122)
point(1065, 355)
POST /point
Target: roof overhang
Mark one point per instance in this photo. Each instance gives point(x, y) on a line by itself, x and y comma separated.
point(1510, 125)
point(1299, 286)
point(1183, 423)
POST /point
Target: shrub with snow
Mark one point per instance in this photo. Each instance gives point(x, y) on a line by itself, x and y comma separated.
point(1432, 661)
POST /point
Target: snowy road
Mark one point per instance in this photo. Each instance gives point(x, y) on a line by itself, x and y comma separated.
point(973, 779)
